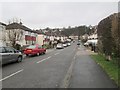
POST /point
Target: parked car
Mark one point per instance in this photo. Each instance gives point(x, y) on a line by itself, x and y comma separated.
point(34, 50)
point(73, 41)
point(9, 54)
point(86, 44)
point(78, 43)
point(60, 46)
point(65, 44)
point(68, 43)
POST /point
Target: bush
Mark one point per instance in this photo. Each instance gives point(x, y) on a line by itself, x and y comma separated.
point(109, 36)
point(47, 46)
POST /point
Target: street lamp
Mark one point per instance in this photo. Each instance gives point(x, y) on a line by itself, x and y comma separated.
point(90, 29)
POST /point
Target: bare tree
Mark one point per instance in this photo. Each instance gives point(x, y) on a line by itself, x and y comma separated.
point(14, 35)
point(3, 35)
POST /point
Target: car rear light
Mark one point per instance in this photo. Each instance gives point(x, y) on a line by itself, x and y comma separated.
point(29, 50)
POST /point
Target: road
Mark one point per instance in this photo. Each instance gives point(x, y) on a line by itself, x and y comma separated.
point(71, 67)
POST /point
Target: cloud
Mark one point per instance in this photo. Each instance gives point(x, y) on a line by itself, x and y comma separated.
point(57, 14)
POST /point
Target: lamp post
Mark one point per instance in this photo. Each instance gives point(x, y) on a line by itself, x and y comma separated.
point(78, 34)
point(90, 29)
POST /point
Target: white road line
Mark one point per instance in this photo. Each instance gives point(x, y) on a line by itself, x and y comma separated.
point(44, 59)
point(11, 75)
point(49, 57)
point(56, 53)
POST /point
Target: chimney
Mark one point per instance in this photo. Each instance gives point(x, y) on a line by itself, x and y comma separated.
point(20, 22)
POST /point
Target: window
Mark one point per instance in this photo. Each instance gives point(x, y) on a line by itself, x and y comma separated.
point(39, 47)
point(9, 50)
point(2, 50)
point(26, 41)
point(32, 47)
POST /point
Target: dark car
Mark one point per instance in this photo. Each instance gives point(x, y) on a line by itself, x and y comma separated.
point(9, 54)
point(78, 43)
point(34, 50)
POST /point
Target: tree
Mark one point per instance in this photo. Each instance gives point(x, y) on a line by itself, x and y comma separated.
point(14, 36)
point(14, 32)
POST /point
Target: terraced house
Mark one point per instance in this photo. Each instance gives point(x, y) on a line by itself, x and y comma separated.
point(20, 34)
point(2, 33)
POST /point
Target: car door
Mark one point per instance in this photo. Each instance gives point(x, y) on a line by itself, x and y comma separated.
point(4, 55)
point(10, 53)
point(16, 54)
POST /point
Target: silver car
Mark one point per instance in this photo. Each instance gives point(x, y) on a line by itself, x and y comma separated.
point(9, 54)
point(59, 46)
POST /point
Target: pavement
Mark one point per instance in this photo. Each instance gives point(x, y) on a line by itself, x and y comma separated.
point(70, 67)
point(88, 74)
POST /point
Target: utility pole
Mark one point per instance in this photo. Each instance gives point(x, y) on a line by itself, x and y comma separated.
point(78, 34)
point(85, 29)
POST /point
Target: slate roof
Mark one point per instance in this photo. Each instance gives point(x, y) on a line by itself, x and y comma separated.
point(18, 26)
point(2, 24)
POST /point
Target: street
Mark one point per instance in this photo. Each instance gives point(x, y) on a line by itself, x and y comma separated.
point(71, 67)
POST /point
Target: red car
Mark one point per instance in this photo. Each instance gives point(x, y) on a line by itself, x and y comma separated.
point(34, 50)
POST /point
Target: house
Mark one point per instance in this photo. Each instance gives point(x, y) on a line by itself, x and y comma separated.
point(2, 33)
point(40, 39)
point(28, 36)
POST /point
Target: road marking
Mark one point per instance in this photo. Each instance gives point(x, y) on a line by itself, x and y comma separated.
point(44, 59)
point(49, 57)
point(56, 53)
point(11, 75)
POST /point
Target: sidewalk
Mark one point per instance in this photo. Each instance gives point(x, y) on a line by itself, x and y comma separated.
point(87, 74)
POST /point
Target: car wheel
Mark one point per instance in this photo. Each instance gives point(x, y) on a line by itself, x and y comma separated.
point(27, 55)
point(38, 54)
point(19, 59)
point(43, 52)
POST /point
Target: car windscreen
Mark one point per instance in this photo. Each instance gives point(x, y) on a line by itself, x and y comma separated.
point(31, 47)
point(59, 44)
point(2, 50)
point(64, 42)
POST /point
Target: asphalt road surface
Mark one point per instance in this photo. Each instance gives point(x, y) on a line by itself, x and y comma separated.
point(70, 67)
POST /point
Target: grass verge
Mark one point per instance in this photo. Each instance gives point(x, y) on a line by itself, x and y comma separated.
point(110, 68)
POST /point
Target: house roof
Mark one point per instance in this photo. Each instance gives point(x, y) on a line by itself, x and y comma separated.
point(2, 24)
point(19, 26)
point(39, 32)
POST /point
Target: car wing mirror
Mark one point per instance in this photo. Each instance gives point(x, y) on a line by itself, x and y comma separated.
point(16, 51)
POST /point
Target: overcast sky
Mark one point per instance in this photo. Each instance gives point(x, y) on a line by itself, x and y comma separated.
point(57, 14)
